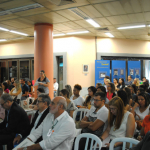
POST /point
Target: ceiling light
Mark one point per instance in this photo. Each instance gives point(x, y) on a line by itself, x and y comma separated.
point(59, 34)
point(109, 34)
point(80, 32)
point(2, 40)
point(93, 23)
point(19, 33)
point(4, 29)
point(131, 27)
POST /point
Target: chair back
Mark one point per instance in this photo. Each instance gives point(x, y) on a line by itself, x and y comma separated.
point(94, 141)
point(124, 140)
point(82, 111)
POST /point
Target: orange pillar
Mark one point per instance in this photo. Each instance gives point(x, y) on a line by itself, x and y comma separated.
point(43, 52)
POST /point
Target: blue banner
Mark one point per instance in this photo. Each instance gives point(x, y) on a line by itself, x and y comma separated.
point(102, 69)
point(118, 69)
point(134, 69)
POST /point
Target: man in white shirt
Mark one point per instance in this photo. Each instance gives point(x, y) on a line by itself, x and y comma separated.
point(43, 102)
point(95, 120)
point(55, 85)
point(58, 129)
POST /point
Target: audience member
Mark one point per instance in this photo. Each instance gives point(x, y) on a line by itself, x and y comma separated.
point(43, 82)
point(29, 83)
point(129, 96)
point(89, 102)
point(25, 90)
point(133, 94)
point(130, 80)
point(136, 82)
point(12, 84)
point(95, 120)
point(115, 83)
point(103, 89)
point(123, 95)
point(57, 130)
point(68, 87)
point(16, 92)
point(16, 121)
point(43, 109)
point(106, 84)
point(111, 91)
point(70, 105)
point(144, 79)
point(140, 90)
point(121, 123)
point(106, 81)
point(2, 110)
point(55, 86)
point(5, 87)
point(141, 108)
point(98, 84)
point(76, 98)
point(121, 84)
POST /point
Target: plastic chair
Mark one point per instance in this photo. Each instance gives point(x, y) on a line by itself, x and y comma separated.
point(32, 113)
point(124, 140)
point(88, 136)
point(82, 114)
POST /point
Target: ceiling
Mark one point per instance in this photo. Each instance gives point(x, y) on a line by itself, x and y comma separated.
point(107, 13)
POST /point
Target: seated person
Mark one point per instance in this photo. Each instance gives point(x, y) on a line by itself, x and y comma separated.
point(43, 109)
point(121, 123)
point(111, 91)
point(145, 127)
point(96, 119)
point(25, 89)
point(2, 110)
point(76, 98)
point(98, 84)
point(57, 130)
point(16, 121)
point(5, 87)
point(70, 105)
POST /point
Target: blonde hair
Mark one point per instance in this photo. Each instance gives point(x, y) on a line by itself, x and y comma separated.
point(108, 80)
point(18, 85)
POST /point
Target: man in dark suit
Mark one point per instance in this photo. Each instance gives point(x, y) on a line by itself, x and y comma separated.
point(43, 102)
point(15, 121)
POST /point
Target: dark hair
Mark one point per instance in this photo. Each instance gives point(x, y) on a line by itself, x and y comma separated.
point(112, 87)
point(134, 87)
point(116, 79)
point(103, 89)
point(65, 92)
point(128, 91)
point(23, 79)
point(6, 85)
point(130, 76)
point(78, 87)
point(93, 89)
point(69, 89)
point(30, 82)
point(107, 77)
point(41, 90)
point(143, 86)
point(42, 71)
point(123, 95)
point(122, 82)
point(45, 98)
point(99, 84)
point(146, 85)
point(145, 97)
point(144, 77)
point(101, 94)
point(141, 90)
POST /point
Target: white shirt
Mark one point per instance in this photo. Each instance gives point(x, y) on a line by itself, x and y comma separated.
point(63, 136)
point(37, 120)
point(55, 86)
point(19, 95)
point(77, 101)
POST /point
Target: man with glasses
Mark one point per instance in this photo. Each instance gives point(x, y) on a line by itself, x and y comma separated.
point(43, 102)
point(58, 129)
point(15, 121)
point(95, 120)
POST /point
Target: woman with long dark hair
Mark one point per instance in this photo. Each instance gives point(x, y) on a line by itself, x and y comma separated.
point(121, 84)
point(111, 91)
point(5, 87)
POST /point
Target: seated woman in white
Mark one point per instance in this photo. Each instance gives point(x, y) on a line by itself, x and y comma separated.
point(121, 123)
point(16, 92)
point(76, 98)
point(141, 108)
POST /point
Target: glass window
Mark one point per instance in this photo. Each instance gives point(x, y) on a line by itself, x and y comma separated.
point(12, 72)
point(3, 72)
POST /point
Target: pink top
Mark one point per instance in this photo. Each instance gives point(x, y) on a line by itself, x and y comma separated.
point(7, 91)
point(2, 112)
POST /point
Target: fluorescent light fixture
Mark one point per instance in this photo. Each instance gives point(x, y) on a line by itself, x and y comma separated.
point(80, 32)
point(4, 29)
point(109, 34)
point(18, 32)
point(131, 27)
point(93, 23)
point(2, 40)
point(61, 34)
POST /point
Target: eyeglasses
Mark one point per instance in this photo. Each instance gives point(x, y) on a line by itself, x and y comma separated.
point(3, 104)
point(96, 100)
point(40, 101)
point(112, 109)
